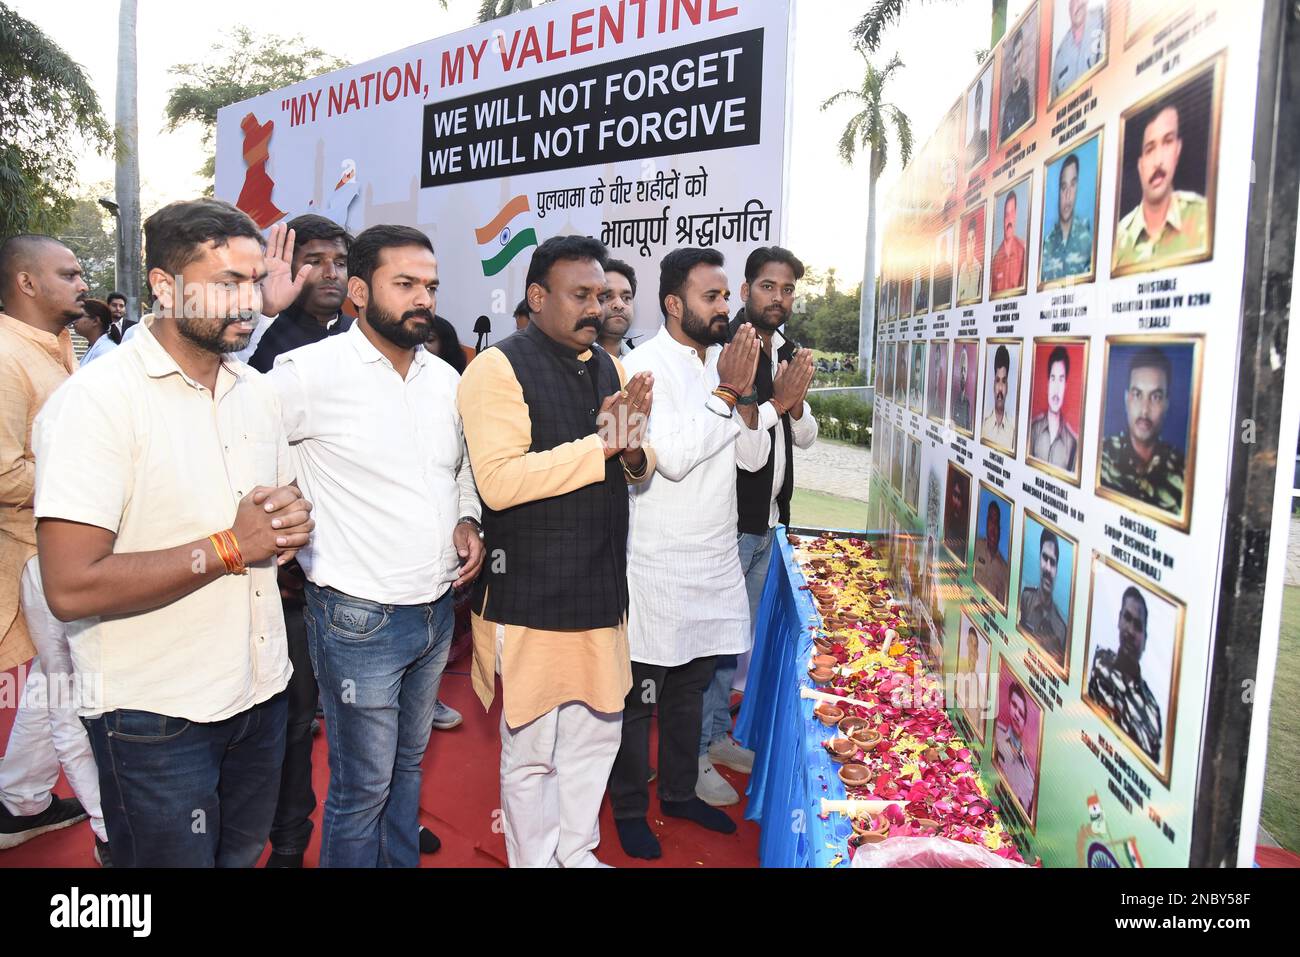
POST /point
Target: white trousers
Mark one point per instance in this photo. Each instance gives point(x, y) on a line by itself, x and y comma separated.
point(554, 771)
point(47, 732)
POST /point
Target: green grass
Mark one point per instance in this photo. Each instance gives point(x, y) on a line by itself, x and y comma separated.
point(1281, 812)
point(819, 510)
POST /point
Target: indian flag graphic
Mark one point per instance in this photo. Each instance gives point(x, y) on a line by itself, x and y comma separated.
point(501, 240)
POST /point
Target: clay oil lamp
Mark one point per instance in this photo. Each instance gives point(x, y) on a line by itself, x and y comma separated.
point(865, 738)
point(841, 749)
point(849, 725)
point(823, 645)
point(854, 774)
point(867, 831)
point(828, 714)
point(821, 676)
point(824, 661)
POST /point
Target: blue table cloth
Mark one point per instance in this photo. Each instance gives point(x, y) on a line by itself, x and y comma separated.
point(792, 771)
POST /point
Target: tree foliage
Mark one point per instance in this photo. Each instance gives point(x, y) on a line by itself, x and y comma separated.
point(492, 9)
point(90, 234)
point(45, 99)
point(241, 66)
point(826, 318)
point(869, 128)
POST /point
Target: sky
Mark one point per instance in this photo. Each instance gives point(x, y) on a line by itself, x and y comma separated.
point(828, 200)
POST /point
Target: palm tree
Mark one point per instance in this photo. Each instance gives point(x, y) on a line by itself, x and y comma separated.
point(491, 9)
point(886, 13)
point(869, 129)
point(127, 183)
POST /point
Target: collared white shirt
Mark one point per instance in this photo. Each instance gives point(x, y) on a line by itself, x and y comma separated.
point(803, 431)
point(686, 587)
point(167, 463)
point(382, 459)
point(103, 345)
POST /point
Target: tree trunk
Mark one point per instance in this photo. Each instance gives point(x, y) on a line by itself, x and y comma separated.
point(867, 315)
point(126, 149)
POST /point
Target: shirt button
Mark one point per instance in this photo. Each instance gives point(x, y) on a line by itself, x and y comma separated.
point(591, 411)
point(582, 372)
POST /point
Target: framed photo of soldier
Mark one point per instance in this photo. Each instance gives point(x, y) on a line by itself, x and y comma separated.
point(893, 299)
point(972, 670)
point(936, 391)
point(1071, 202)
point(896, 470)
point(970, 256)
point(956, 513)
point(905, 298)
point(1132, 660)
point(885, 362)
point(881, 454)
point(1057, 397)
point(921, 291)
point(1018, 77)
point(1000, 426)
point(1169, 159)
point(1146, 458)
point(992, 560)
point(941, 270)
point(1018, 742)
point(900, 373)
point(1079, 45)
point(1045, 610)
point(912, 478)
point(1009, 268)
point(916, 388)
point(965, 382)
point(979, 103)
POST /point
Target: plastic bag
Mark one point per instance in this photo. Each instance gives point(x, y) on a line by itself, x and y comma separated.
point(927, 852)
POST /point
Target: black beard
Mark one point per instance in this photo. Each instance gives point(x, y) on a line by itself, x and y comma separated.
point(394, 330)
point(762, 319)
point(700, 329)
point(210, 340)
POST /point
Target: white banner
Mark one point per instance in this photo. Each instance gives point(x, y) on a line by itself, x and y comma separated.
point(649, 124)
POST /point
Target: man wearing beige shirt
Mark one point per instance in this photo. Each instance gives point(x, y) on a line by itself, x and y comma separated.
point(43, 289)
point(554, 433)
point(165, 565)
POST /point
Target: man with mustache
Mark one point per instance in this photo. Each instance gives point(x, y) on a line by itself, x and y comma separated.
point(998, 427)
point(1116, 682)
point(619, 302)
point(1138, 462)
point(1008, 268)
point(1039, 616)
point(372, 421)
point(781, 384)
point(44, 289)
point(687, 587)
point(555, 429)
point(1051, 438)
point(1168, 221)
point(165, 563)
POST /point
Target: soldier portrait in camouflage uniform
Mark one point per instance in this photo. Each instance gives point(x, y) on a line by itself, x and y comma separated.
point(1047, 589)
point(1165, 200)
point(1145, 456)
point(1069, 240)
point(1134, 643)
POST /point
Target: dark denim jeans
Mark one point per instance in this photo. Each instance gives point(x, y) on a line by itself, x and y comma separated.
point(378, 667)
point(180, 793)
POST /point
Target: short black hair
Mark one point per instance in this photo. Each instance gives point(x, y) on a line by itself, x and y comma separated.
point(763, 255)
point(522, 309)
point(624, 270)
point(363, 256)
point(564, 249)
point(309, 227)
point(1132, 592)
point(16, 253)
point(1011, 198)
point(991, 511)
point(449, 350)
point(1059, 354)
point(1017, 690)
point(174, 236)
point(1151, 357)
point(1071, 159)
point(677, 266)
point(1049, 538)
point(114, 295)
point(1002, 360)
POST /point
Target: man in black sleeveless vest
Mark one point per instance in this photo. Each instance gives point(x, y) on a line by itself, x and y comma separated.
point(554, 433)
point(781, 384)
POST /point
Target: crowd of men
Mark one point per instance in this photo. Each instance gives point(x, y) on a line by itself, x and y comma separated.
point(198, 552)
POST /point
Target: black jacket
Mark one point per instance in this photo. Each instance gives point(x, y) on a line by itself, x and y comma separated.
point(754, 489)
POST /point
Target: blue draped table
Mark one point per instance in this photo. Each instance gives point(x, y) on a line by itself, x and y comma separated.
point(792, 771)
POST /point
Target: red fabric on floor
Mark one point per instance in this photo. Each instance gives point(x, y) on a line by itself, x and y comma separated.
point(460, 801)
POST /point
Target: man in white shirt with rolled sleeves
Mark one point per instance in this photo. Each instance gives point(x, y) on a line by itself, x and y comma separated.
point(686, 587)
point(372, 421)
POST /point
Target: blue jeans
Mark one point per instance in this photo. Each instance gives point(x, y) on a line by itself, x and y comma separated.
point(180, 793)
point(378, 667)
point(755, 551)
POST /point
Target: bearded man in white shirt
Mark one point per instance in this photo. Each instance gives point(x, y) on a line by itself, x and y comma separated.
point(372, 421)
point(686, 586)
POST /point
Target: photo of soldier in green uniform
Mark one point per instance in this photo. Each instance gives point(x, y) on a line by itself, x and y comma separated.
point(1069, 240)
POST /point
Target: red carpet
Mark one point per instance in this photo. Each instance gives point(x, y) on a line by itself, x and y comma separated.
point(461, 796)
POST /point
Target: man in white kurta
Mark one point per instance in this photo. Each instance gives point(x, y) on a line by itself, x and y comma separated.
point(686, 586)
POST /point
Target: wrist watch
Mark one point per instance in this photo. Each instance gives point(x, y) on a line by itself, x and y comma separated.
point(467, 520)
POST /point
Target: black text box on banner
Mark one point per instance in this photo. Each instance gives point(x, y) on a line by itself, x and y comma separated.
point(687, 99)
